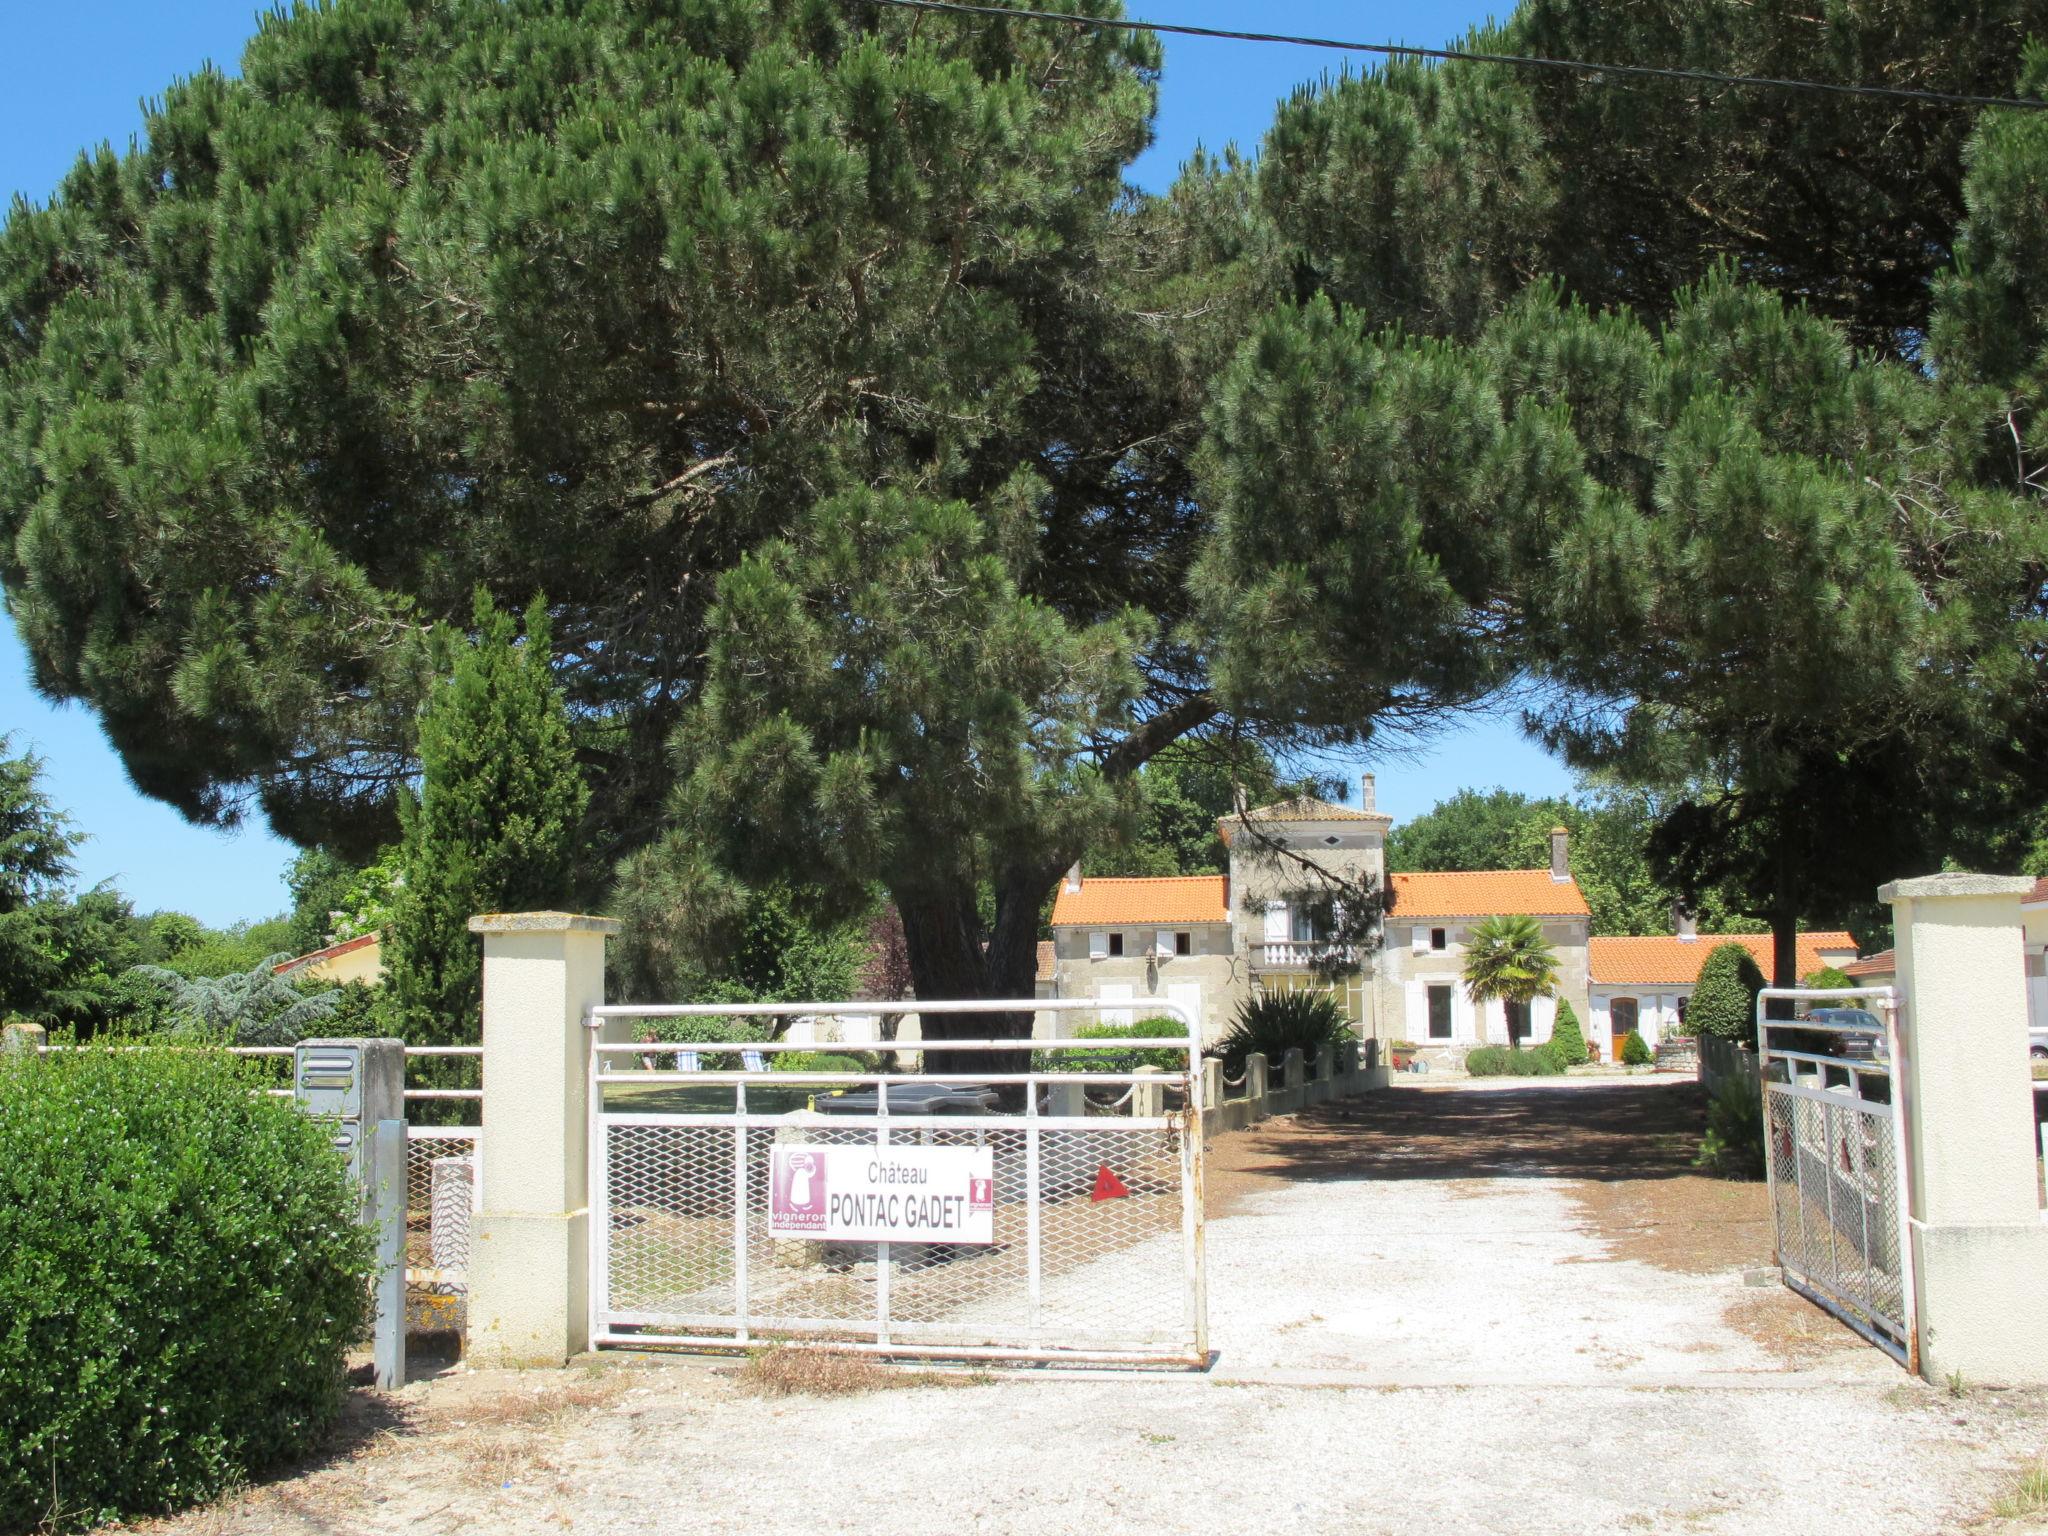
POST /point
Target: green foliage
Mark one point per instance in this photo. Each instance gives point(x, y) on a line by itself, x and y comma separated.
point(816, 1061)
point(1501, 1061)
point(255, 1007)
point(1507, 957)
point(1274, 1023)
point(590, 297)
point(1166, 1060)
point(1183, 793)
point(1724, 999)
point(1733, 1145)
point(182, 1272)
point(1829, 976)
point(1635, 1052)
point(1567, 1039)
point(708, 1029)
point(36, 839)
point(333, 900)
point(494, 827)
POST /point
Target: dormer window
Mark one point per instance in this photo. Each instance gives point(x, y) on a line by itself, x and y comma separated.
point(1439, 938)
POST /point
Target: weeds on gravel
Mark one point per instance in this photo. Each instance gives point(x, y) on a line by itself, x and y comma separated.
point(2029, 1495)
point(782, 1372)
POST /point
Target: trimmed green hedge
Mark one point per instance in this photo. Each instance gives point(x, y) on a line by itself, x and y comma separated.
point(1500, 1061)
point(1724, 999)
point(1165, 1060)
point(181, 1273)
point(1635, 1051)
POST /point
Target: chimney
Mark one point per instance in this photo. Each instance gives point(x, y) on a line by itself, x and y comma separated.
point(1683, 925)
point(1368, 795)
point(1560, 855)
point(1074, 878)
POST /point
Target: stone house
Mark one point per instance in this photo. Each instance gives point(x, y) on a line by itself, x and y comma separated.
point(1645, 983)
point(1212, 941)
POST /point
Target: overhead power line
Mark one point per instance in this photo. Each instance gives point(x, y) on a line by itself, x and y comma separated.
point(1516, 60)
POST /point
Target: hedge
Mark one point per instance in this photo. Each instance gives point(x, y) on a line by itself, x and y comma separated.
point(1165, 1059)
point(1724, 999)
point(181, 1273)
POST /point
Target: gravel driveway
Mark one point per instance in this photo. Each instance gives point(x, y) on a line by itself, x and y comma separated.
point(1438, 1308)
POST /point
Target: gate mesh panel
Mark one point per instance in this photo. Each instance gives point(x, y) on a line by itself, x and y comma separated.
point(1110, 1273)
point(440, 1202)
point(1834, 1165)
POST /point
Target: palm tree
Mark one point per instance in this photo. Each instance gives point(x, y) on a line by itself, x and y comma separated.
point(1508, 958)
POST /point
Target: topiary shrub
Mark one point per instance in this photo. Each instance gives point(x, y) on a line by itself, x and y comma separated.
point(1166, 1060)
point(1566, 1038)
point(1734, 1143)
point(181, 1271)
point(1275, 1023)
point(1635, 1051)
point(1724, 999)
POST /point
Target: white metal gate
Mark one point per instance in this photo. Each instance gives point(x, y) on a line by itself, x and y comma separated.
point(1834, 1134)
point(1097, 1208)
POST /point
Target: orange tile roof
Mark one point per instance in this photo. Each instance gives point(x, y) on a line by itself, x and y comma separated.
point(331, 952)
point(2038, 895)
point(1048, 961)
point(1662, 960)
point(1161, 899)
point(1486, 893)
point(1884, 963)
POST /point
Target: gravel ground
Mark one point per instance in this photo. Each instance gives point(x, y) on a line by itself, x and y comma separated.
point(1396, 1352)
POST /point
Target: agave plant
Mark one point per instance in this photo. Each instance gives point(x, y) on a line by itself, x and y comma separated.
point(1274, 1023)
point(255, 1007)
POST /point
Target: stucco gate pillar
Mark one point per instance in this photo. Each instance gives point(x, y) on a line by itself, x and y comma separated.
point(529, 1298)
point(1980, 1246)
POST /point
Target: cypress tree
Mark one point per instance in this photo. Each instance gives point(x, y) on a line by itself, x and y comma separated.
point(494, 826)
point(1566, 1038)
point(1724, 999)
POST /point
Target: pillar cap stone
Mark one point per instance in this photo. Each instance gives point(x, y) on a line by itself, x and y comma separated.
point(541, 922)
point(1954, 883)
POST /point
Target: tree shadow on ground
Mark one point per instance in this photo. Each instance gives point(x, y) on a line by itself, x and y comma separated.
point(1647, 1130)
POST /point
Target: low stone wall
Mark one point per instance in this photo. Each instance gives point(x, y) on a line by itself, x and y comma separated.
point(1228, 1106)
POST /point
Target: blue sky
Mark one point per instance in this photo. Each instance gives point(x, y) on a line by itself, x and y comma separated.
point(77, 75)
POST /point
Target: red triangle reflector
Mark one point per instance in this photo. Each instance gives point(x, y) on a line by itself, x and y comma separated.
point(1107, 1185)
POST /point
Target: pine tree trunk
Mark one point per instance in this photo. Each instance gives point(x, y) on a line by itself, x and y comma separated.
point(1785, 929)
point(951, 957)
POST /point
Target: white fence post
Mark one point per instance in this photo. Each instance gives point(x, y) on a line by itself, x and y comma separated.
point(529, 1279)
point(1980, 1247)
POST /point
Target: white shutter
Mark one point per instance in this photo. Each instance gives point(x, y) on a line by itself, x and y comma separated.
point(1114, 991)
point(1098, 945)
point(1162, 942)
point(1276, 922)
point(1189, 995)
point(1420, 940)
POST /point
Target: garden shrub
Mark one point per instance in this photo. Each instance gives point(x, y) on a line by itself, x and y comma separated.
point(1500, 1061)
point(1166, 1060)
point(1567, 1038)
point(710, 1029)
point(1832, 977)
point(181, 1272)
point(1734, 1143)
point(816, 1061)
point(1278, 1022)
point(1635, 1051)
point(1724, 999)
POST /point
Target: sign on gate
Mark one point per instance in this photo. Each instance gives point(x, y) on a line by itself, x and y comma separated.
point(883, 1194)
